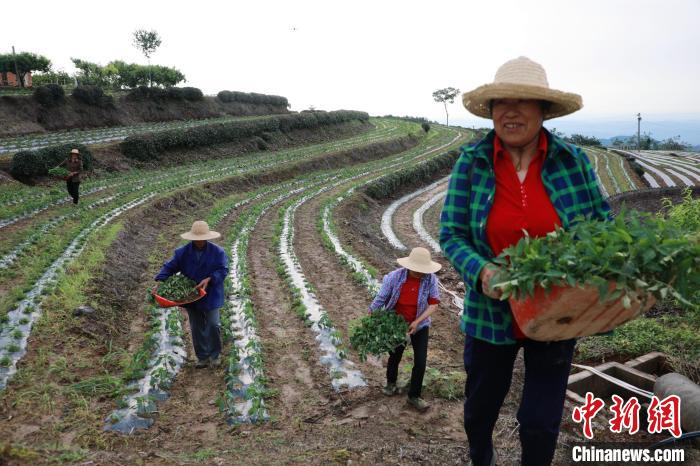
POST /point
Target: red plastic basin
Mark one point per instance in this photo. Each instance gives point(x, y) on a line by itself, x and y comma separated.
point(163, 302)
point(570, 312)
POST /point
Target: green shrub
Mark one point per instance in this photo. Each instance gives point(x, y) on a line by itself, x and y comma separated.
point(150, 146)
point(92, 95)
point(685, 215)
point(143, 93)
point(252, 98)
point(425, 126)
point(49, 95)
point(28, 163)
point(192, 94)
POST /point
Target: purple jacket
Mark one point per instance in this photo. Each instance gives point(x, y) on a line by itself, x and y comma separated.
point(391, 289)
point(213, 263)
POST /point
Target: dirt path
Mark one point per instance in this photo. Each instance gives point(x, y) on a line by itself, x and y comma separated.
point(289, 350)
point(402, 221)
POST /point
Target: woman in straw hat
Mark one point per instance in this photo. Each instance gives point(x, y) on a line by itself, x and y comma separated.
point(412, 292)
point(74, 165)
point(520, 177)
point(206, 264)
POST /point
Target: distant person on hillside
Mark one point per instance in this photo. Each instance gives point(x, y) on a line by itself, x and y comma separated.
point(74, 165)
point(518, 178)
point(411, 291)
point(206, 264)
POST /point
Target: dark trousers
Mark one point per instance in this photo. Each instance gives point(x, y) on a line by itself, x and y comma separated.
point(205, 327)
point(73, 190)
point(489, 371)
point(419, 341)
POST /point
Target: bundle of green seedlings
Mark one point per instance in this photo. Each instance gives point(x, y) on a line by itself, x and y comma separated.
point(378, 333)
point(59, 172)
point(177, 288)
point(639, 253)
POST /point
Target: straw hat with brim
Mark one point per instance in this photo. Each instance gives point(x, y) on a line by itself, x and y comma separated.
point(521, 78)
point(419, 261)
point(200, 232)
point(75, 151)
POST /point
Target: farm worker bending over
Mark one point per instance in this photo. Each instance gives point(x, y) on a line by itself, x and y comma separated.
point(412, 291)
point(207, 264)
point(519, 177)
point(74, 165)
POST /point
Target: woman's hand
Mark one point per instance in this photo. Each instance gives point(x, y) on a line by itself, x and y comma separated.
point(413, 326)
point(485, 276)
point(203, 284)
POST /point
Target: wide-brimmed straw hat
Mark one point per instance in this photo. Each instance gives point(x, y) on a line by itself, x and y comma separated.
point(200, 232)
point(419, 261)
point(75, 151)
point(521, 78)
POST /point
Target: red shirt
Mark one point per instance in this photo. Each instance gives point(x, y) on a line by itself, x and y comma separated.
point(519, 206)
point(407, 305)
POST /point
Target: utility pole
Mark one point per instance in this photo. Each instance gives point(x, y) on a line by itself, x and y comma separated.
point(639, 124)
point(14, 59)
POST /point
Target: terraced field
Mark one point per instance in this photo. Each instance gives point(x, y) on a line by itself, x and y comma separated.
point(120, 375)
point(308, 243)
point(668, 169)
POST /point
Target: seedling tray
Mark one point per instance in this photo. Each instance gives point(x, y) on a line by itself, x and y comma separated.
point(164, 302)
point(571, 312)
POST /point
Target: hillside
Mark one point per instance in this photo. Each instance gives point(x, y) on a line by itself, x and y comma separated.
point(22, 115)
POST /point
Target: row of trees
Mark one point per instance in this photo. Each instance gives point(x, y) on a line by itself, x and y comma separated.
point(647, 142)
point(115, 75)
point(23, 63)
point(121, 75)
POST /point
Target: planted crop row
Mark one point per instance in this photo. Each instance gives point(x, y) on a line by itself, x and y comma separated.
point(342, 371)
point(103, 135)
point(173, 184)
point(7, 259)
point(658, 174)
point(152, 146)
point(17, 324)
point(387, 226)
point(604, 181)
point(67, 253)
point(689, 168)
point(21, 204)
point(419, 226)
point(243, 399)
point(305, 303)
point(362, 272)
point(163, 354)
point(385, 186)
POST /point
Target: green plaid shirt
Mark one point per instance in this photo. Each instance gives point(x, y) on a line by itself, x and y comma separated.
point(573, 188)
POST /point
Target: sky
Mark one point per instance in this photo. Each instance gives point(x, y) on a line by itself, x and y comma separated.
point(387, 57)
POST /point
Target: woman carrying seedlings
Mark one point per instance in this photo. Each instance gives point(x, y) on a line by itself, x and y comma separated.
point(520, 177)
point(412, 292)
point(74, 165)
point(207, 265)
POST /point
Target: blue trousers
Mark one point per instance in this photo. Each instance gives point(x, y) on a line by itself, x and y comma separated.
point(489, 370)
point(205, 327)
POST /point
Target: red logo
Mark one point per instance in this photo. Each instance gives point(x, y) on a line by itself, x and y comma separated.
point(665, 415)
point(587, 412)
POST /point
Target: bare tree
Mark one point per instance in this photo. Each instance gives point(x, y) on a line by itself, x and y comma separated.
point(446, 95)
point(147, 42)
